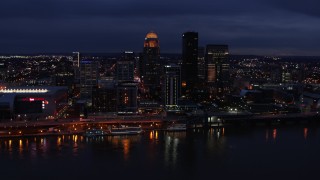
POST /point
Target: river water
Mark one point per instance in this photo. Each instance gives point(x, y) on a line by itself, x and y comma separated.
point(291, 152)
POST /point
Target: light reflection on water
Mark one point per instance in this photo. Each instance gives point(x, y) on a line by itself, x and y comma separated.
point(305, 133)
point(171, 145)
point(45, 147)
point(173, 149)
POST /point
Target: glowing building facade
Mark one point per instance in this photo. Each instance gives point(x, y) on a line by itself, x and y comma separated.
point(150, 65)
point(33, 103)
point(217, 70)
point(172, 86)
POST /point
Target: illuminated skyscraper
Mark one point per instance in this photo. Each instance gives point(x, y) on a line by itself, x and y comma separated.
point(150, 65)
point(172, 86)
point(217, 69)
point(189, 61)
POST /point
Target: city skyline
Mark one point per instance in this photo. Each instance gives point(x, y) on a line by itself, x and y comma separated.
point(250, 27)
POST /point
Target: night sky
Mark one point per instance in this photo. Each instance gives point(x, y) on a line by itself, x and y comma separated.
point(260, 27)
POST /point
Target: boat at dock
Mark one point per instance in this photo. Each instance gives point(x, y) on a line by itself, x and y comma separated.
point(94, 132)
point(177, 127)
point(125, 130)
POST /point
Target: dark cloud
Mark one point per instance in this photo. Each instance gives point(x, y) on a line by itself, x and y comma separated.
point(248, 26)
point(307, 7)
point(121, 8)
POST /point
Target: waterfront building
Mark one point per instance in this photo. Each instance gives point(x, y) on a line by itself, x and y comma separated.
point(105, 96)
point(217, 70)
point(127, 93)
point(32, 103)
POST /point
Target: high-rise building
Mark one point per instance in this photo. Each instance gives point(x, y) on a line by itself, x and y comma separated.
point(217, 70)
point(89, 75)
point(172, 86)
point(201, 64)
point(127, 94)
point(189, 61)
point(76, 59)
point(125, 70)
point(105, 96)
point(150, 65)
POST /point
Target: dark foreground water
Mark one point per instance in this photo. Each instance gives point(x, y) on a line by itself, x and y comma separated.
point(229, 153)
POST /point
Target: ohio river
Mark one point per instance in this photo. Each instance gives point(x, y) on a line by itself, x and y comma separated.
point(278, 152)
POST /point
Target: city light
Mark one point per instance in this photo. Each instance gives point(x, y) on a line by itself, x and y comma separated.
point(23, 90)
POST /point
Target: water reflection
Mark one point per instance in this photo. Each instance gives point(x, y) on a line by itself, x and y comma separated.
point(274, 134)
point(10, 145)
point(305, 133)
point(172, 147)
point(126, 148)
point(59, 141)
point(75, 144)
point(154, 135)
point(20, 147)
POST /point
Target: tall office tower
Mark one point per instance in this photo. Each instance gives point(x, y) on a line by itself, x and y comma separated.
point(189, 66)
point(76, 66)
point(105, 96)
point(172, 86)
point(201, 64)
point(125, 70)
point(150, 65)
point(217, 70)
point(127, 98)
point(89, 75)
